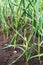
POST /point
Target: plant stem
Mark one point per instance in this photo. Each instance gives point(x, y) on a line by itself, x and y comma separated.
point(27, 44)
point(39, 46)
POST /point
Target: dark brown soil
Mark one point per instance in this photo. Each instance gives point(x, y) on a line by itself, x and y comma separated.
point(9, 55)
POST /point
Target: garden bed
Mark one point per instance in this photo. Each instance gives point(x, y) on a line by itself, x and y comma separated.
point(21, 32)
point(8, 55)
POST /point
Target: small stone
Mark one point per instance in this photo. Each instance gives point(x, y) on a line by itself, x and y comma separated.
point(15, 52)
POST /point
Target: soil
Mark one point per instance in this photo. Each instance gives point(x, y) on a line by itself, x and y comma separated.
point(10, 54)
